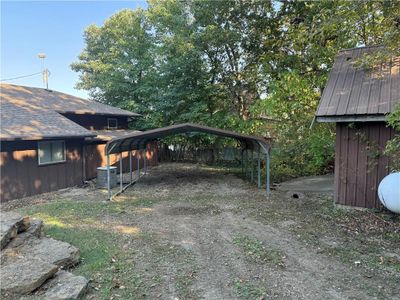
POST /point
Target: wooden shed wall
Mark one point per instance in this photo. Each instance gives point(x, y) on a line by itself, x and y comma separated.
point(21, 175)
point(95, 157)
point(360, 164)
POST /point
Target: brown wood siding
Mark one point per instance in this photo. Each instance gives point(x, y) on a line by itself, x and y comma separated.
point(22, 176)
point(95, 157)
point(360, 164)
point(97, 122)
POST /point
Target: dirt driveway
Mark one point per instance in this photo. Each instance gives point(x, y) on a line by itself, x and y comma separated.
point(195, 232)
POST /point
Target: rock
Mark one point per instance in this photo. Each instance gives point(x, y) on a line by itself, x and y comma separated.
point(21, 275)
point(6, 234)
point(36, 228)
point(10, 224)
point(47, 249)
point(30, 263)
point(65, 286)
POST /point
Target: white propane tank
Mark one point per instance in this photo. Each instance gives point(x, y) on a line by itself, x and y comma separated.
point(389, 192)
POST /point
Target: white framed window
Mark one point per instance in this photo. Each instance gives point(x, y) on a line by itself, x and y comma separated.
point(112, 123)
point(51, 152)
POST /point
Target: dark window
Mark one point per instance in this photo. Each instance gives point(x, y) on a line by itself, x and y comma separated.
point(51, 152)
point(112, 123)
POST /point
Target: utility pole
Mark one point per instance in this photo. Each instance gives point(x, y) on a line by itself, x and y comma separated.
point(45, 72)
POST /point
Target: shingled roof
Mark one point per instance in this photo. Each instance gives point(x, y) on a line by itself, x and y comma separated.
point(35, 113)
point(356, 94)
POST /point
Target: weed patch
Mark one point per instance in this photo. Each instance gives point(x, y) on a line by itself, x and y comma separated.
point(256, 251)
point(246, 290)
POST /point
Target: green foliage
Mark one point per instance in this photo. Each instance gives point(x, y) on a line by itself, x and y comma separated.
point(298, 149)
point(375, 23)
point(257, 67)
point(313, 153)
point(392, 148)
point(393, 119)
point(246, 290)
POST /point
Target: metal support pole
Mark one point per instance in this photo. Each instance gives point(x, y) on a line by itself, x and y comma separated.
point(120, 172)
point(252, 166)
point(241, 160)
point(138, 163)
point(144, 161)
point(108, 177)
point(267, 172)
point(130, 166)
point(246, 161)
point(259, 169)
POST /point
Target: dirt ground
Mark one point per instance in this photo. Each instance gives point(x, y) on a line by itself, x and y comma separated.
point(196, 232)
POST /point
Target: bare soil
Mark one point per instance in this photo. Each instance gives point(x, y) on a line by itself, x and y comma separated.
point(197, 232)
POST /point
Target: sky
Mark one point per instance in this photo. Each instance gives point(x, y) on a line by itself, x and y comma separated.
point(52, 27)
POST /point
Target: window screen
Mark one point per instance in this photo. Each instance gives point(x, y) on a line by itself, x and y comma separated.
point(51, 152)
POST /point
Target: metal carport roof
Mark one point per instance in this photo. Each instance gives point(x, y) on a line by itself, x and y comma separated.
point(139, 140)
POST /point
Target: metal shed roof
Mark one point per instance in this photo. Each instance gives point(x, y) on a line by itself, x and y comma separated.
point(139, 140)
point(353, 93)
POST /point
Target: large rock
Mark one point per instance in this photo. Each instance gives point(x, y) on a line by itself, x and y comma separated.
point(65, 286)
point(10, 224)
point(36, 228)
point(47, 249)
point(21, 275)
point(30, 263)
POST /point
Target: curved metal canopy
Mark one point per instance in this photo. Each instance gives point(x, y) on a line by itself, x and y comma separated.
point(139, 140)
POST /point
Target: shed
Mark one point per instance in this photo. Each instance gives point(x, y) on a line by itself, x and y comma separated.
point(358, 101)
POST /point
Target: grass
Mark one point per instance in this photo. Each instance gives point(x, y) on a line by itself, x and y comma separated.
point(109, 251)
point(255, 251)
point(357, 234)
point(392, 236)
point(125, 262)
point(104, 262)
point(368, 237)
point(247, 290)
point(185, 269)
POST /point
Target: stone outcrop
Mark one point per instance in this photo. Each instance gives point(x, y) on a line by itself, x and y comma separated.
point(31, 265)
point(22, 275)
point(36, 228)
point(10, 224)
point(49, 250)
point(65, 286)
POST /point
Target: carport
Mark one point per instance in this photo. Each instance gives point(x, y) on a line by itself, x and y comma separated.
point(138, 141)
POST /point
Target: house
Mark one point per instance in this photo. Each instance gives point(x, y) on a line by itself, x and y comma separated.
point(358, 101)
point(51, 140)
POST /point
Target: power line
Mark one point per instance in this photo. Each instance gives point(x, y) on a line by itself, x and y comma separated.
point(23, 76)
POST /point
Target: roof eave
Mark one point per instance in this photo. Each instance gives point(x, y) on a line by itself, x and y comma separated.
point(354, 118)
point(38, 138)
point(129, 115)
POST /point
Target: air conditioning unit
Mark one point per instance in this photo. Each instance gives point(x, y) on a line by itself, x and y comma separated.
point(102, 177)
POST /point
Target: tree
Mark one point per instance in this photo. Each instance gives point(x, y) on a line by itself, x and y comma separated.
point(117, 65)
point(231, 39)
point(251, 66)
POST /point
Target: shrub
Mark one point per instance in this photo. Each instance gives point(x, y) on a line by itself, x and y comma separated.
point(392, 148)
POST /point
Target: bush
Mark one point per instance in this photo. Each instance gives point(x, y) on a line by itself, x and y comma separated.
point(392, 149)
point(312, 154)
